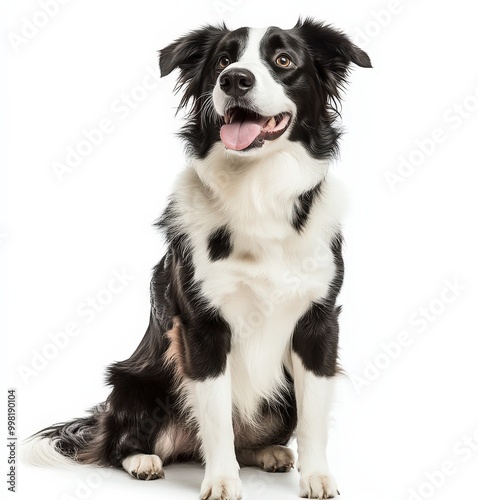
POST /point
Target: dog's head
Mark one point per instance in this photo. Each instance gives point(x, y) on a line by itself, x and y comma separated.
point(254, 88)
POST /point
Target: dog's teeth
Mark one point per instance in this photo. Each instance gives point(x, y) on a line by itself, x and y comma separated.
point(271, 123)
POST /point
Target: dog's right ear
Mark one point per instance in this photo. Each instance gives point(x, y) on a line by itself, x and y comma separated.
point(189, 53)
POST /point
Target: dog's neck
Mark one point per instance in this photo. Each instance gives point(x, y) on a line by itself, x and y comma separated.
point(259, 196)
point(267, 183)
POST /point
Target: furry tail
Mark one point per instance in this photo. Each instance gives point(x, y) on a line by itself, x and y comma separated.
point(61, 445)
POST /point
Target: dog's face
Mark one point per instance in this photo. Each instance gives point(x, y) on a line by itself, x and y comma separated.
point(254, 89)
point(250, 93)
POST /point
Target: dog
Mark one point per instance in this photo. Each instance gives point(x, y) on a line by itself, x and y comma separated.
point(241, 351)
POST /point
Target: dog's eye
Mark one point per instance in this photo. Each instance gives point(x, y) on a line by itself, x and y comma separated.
point(223, 62)
point(283, 61)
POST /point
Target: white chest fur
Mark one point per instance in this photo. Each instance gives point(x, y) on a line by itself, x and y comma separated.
point(273, 273)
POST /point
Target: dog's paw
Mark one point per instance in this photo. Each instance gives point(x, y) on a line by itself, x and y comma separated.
point(221, 488)
point(276, 459)
point(145, 467)
point(318, 486)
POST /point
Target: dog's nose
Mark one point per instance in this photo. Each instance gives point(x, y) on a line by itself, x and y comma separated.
point(237, 82)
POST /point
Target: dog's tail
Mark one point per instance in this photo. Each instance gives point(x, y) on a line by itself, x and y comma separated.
point(63, 444)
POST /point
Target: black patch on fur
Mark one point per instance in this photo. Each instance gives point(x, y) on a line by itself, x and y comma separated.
point(336, 283)
point(303, 206)
point(316, 338)
point(316, 334)
point(219, 244)
point(168, 226)
point(205, 333)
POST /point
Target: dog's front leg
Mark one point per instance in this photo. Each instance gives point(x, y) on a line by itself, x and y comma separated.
point(212, 406)
point(314, 367)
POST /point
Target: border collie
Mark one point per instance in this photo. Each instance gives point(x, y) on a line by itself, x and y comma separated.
point(241, 349)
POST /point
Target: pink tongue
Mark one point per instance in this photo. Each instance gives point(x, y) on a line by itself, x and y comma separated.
point(239, 135)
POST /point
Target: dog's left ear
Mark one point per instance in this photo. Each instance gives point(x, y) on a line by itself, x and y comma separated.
point(189, 54)
point(333, 52)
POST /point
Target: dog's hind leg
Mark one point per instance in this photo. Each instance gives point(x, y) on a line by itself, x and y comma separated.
point(273, 458)
point(143, 466)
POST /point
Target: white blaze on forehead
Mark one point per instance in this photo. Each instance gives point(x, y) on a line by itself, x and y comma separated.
point(252, 53)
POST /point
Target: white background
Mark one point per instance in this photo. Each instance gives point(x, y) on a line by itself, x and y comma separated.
point(60, 239)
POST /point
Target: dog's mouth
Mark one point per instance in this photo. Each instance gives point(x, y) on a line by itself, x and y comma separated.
point(244, 128)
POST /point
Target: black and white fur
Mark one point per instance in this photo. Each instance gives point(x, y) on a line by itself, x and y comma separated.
point(241, 349)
